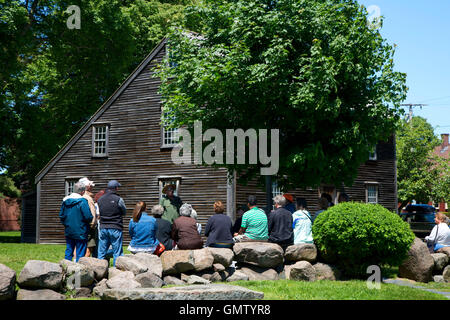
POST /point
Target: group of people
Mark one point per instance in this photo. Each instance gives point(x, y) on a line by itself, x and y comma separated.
point(94, 223)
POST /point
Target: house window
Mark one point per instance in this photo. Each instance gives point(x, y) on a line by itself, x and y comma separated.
point(373, 154)
point(276, 190)
point(69, 183)
point(164, 181)
point(169, 135)
point(372, 193)
point(100, 137)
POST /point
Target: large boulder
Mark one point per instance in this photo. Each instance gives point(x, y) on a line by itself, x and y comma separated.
point(237, 276)
point(151, 261)
point(326, 272)
point(42, 294)
point(194, 279)
point(129, 263)
point(38, 274)
point(177, 261)
point(419, 264)
point(262, 254)
point(112, 272)
point(255, 273)
point(301, 252)
point(125, 280)
point(99, 266)
point(446, 274)
point(440, 261)
point(194, 292)
point(100, 287)
point(7, 282)
point(149, 280)
point(173, 280)
point(302, 271)
point(203, 259)
point(445, 250)
point(223, 256)
point(76, 275)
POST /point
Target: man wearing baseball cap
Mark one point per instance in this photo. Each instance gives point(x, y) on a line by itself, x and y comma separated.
point(112, 209)
point(92, 236)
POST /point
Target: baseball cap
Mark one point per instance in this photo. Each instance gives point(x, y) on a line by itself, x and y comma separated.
point(113, 184)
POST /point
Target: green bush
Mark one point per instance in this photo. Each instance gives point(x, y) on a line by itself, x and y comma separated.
point(356, 235)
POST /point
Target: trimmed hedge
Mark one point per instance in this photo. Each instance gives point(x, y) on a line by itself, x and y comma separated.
point(354, 236)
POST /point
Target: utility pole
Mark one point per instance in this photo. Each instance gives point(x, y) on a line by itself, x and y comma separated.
point(411, 105)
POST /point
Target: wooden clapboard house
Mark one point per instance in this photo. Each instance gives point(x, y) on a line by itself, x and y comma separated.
point(124, 140)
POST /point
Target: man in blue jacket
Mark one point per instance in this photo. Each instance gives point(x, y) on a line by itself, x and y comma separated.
point(76, 216)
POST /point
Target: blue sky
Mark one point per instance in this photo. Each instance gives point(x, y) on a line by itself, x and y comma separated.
point(421, 30)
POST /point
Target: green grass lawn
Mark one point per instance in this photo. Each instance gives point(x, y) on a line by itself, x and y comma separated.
point(15, 255)
point(334, 290)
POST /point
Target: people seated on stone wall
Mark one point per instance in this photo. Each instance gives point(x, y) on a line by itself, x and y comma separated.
point(302, 223)
point(219, 228)
point(142, 230)
point(290, 205)
point(184, 230)
point(164, 230)
point(323, 205)
point(254, 225)
point(171, 203)
point(280, 223)
point(440, 234)
point(237, 223)
point(76, 217)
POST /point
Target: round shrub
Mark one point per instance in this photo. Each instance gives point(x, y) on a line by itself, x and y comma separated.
point(356, 235)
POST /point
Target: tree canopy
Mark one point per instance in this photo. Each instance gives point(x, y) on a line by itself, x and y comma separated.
point(421, 175)
point(315, 70)
point(54, 78)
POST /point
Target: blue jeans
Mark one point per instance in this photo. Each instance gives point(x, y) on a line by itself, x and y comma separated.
point(79, 245)
point(107, 237)
point(439, 246)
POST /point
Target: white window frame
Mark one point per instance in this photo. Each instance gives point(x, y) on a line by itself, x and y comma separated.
point(69, 182)
point(275, 189)
point(164, 180)
point(376, 186)
point(172, 131)
point(95, 126)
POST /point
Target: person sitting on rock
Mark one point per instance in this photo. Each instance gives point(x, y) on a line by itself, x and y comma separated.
point(440, 235)
point(302, 223)
point(142, 230)
point(218, 228)
point(254, 224)
point(184, 230)
point(280, 223)
point(163, 233)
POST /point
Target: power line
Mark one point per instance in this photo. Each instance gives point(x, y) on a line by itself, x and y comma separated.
point(411, 105)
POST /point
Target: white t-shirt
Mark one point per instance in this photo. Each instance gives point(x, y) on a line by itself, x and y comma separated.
point(443, 234)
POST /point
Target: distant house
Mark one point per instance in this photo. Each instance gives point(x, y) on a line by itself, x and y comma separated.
point(442, 151)
point(124, 140)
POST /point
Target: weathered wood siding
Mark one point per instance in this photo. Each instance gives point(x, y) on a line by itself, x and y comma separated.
point(135, 160)
point(28, 225)
point(381, 171)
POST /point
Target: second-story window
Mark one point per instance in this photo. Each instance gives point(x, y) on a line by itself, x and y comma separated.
point(169, 135)
point(100, 137)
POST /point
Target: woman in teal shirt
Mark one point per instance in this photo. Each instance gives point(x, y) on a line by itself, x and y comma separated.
point(142, 231)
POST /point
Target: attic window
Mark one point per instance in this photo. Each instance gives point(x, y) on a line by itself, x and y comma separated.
point(373, 154)
point(100, 137)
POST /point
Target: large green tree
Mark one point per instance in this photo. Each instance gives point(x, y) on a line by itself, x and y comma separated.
point(418, 170)
point(54, 78)
point(314, 69)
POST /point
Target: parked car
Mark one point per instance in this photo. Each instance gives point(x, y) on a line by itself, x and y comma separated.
point(420, 218)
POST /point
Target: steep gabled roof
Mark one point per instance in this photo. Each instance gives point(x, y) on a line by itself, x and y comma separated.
point(100, 111)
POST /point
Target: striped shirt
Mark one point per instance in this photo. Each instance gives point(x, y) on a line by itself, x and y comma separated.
point(255, 222)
